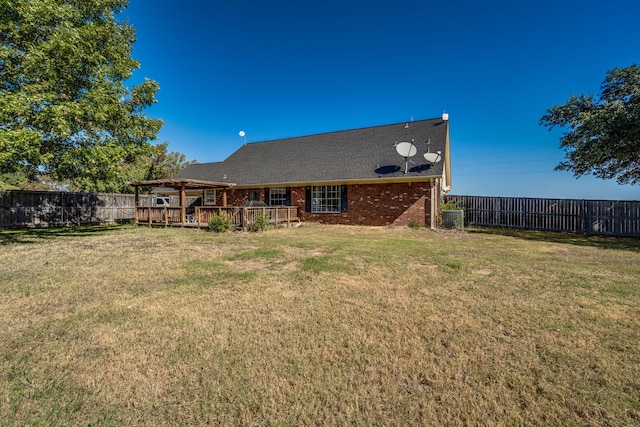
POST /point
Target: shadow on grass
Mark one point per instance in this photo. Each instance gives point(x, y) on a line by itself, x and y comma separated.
point(604, 242)
point(35, 235)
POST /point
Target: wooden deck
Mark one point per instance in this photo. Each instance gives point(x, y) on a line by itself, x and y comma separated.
point(241, 216)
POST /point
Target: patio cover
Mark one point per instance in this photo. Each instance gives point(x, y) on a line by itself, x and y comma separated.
point(182, 184)
point(178, 183)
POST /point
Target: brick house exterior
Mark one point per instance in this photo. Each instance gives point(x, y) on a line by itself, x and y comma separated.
point(347, 177)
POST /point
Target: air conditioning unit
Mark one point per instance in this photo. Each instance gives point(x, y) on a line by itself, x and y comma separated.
point(453, 219)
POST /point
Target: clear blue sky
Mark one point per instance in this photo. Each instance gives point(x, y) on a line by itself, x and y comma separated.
point(287, 68)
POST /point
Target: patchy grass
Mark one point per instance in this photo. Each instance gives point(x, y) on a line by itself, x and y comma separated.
point(322, 325)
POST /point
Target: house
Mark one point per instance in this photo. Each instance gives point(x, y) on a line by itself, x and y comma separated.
point(382, 175)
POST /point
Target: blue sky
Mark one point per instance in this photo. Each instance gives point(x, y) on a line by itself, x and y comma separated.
point(288, 68)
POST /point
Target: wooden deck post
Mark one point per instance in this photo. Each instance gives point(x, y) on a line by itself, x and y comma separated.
point(224, 198)
point(245, 219)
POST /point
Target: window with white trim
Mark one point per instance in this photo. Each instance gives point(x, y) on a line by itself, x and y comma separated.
point(209, 197)
point(326, 198)
point(278, 196)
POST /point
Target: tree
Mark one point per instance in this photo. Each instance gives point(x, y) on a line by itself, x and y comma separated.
point(64, 108)
point(602, 133)
point(165, 165)
point(159, 165)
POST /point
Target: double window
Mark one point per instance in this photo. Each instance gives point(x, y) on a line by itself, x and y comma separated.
point(277, 196)
point(327, 198)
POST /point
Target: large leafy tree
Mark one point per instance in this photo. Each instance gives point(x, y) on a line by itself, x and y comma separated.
point(65, 110)
point(602, 134)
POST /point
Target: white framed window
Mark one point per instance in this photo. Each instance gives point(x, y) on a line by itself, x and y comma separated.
point(209, 197)
point(326, 198)
point(278, 196)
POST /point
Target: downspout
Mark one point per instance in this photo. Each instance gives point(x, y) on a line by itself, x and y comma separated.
point(433, 223)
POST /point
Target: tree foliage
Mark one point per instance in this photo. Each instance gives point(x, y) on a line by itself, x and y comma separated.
point(602, 134)
point(163, 164)
point(65, 110)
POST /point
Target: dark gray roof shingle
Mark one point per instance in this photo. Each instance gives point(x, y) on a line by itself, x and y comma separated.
point(357, 154)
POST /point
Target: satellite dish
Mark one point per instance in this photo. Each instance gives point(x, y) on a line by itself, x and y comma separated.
point(242, 133)
point(433, 157)
point(406, 149)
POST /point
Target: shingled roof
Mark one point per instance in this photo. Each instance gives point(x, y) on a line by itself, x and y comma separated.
point(363, 154)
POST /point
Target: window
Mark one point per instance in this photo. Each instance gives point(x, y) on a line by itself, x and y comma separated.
point(278, 196)
point(327, 198)
point(254, 195)
point(163, 201)
point(209, 197)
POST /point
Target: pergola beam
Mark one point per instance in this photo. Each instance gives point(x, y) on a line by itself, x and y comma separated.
point(177, 183)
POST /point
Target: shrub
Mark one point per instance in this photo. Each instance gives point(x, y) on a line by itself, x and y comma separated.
point(450, 205)
point(219, 223)
point(260, 222)
point(415, 224)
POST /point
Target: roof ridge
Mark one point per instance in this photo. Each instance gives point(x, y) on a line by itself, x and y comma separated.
point(206, 163)
point(342, 130)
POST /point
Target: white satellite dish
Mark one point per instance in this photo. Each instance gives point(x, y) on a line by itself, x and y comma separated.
point(406, 149)
point(433, 157)
point(242, 133)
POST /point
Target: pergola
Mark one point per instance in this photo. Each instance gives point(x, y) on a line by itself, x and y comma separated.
point(182, 185)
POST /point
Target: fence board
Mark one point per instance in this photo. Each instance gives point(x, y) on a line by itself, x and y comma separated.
point(22, 209)
point(604, 217)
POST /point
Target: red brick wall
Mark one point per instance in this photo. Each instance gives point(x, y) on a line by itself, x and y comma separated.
point(376, 204)
point(367, 204)
point(236, 197)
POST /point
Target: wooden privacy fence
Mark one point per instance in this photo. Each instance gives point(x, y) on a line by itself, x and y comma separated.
point(22, 209)
point(606, 217)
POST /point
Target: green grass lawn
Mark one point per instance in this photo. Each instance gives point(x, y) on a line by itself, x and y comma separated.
point(318, 325)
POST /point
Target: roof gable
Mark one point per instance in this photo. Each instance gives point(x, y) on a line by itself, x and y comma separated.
point(342, 156)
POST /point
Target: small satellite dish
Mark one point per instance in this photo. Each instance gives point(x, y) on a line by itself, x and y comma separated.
point(406, 149)
point(242, 133)
point(433, 157)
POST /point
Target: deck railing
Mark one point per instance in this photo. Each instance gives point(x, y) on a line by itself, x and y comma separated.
point(154, 215)
point(241, 216)
point(244, 216)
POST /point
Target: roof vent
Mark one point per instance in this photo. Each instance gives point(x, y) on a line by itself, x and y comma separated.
point(445, 116)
